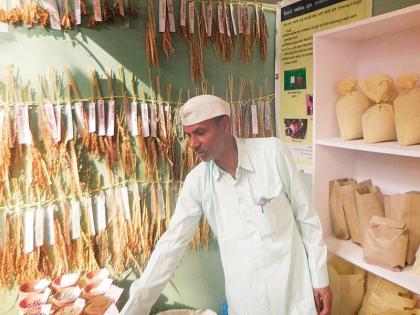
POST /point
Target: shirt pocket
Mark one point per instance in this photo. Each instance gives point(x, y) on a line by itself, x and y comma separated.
point(274, 215)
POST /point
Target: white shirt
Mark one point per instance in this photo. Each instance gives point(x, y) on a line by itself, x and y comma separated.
point(272, 256)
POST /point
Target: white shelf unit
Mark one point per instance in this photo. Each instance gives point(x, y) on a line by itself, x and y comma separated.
point(388, 43)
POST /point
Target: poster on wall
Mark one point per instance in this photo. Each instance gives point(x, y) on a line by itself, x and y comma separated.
point(297, 21)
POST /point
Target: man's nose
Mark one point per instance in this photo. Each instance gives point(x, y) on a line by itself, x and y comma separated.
point(193, 142)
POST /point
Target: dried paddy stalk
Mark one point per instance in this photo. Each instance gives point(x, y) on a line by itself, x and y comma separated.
point(167, 47)
point(263, 35)
point(151, 48)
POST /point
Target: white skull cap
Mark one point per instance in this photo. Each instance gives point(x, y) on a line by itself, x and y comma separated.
point(203, 107)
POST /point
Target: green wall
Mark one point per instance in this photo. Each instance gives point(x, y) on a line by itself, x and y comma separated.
point(198, 281)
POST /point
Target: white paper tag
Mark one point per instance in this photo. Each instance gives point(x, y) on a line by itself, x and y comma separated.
point(80, 119)
point(162, 15)
point(240, 14)
point(209, 19)
point(221, 20)
point(57, 112)
point(153, 121)
point(69, 122)
point(162, 121)
point(28, 228)
point(22, 125)
point(39, 227)
point(171, 16)
point(204, 16)
point(133, 119)
point(112, 310)
point(232, 16)
point(110, 122)
point(125, 202)
point(100, 212)
point(145, 119)
point(267, 116)
point(257, 17)
point(88, 201)
point(97, 10)
point(161, 202)
point(75, 219)
point(233, 119)
point(101, 118)
point(114, 293)
point(92, 117)
point(51, 6)
point(4, 27)
point(77, 12)
point(79, 304)
point(254, 119)
point(49, 224)
point(227, 20)
point(51, 119)
point(191, 16)
point(183, 13)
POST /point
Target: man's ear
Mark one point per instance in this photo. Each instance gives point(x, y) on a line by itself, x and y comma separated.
point(225, 124)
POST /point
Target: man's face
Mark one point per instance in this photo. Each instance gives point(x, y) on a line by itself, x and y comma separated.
point(207, 138)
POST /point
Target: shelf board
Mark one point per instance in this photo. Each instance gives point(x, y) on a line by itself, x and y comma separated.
point(390, 147)
point(354, 254)
point(380, 25)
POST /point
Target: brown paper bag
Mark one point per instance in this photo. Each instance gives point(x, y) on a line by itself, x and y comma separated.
point(406, 208)
point(390, 304)
point(347, 283)
point(340, 226)
point(369, 202)
point(379, 286)
point(347, 195)
point(407, 111)
point(416, 266)
point(386, 243)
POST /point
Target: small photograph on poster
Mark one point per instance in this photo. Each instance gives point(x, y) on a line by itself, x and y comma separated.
point(295, 128)
point(295, 79)
point(309, 105)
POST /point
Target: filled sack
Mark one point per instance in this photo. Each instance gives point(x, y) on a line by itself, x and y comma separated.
point(407, 110)
point(378, 123)
point(350, 108)
point(406, 208)
point(385, 243)
point(347, 283)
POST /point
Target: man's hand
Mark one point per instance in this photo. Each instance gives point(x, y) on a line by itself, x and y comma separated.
point(323, 300)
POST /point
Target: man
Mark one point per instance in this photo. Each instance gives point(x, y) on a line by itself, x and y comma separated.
point(273, 255)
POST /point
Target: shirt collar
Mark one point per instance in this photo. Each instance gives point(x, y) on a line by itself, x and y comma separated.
point(244, 162)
